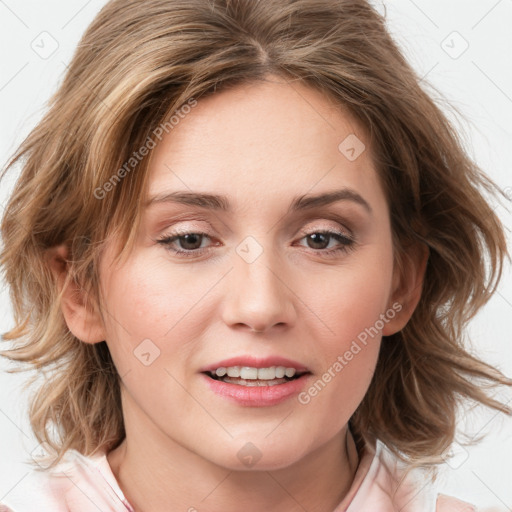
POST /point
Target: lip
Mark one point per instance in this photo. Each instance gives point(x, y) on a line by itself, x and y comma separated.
point(257, 396)
point(256, 362)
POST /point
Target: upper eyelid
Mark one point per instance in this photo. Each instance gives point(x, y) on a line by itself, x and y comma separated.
point(176, 235)
point(301, 234)
point(342, 220)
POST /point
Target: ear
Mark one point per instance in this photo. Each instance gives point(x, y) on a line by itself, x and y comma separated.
point(407, 287)
point(80, 313)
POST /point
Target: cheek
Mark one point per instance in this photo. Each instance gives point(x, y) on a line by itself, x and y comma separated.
point(145, 305)
point(350, 300)
point(159, 311)
point(151, 298)
point(350, 348)
point(352, 306)
point(347, 348)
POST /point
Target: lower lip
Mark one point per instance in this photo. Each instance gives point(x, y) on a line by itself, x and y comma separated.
point(257, 396)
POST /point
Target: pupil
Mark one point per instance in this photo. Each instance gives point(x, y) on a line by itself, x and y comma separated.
point(316, 239)
point(187, 241)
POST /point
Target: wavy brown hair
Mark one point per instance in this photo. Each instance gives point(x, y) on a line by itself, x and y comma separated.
point(139, 62)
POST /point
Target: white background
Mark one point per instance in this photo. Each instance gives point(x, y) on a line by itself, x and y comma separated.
point(477, 82)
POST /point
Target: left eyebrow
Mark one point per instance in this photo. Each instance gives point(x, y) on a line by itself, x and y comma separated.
point(221, 202)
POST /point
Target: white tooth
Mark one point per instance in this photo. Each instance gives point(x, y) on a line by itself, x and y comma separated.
point(247, 372)
point(280, 371)
point(289, 372)
point(254, 383)
point(234, 371)
point(267, 373)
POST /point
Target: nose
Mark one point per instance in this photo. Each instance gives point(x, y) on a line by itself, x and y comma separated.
point(258, 296)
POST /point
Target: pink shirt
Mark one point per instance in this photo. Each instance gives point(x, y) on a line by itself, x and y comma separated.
point(87, 484)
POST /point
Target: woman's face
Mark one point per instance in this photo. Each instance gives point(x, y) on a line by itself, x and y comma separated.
point(268, 156)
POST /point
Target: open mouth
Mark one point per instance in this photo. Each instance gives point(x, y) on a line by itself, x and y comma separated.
point(252, 377)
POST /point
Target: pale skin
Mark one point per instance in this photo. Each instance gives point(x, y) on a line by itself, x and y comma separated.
point(260, 145)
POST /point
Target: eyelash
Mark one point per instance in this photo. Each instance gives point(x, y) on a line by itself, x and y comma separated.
point(347, 243)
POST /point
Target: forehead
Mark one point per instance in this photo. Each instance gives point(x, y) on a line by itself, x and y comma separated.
point(262, 142)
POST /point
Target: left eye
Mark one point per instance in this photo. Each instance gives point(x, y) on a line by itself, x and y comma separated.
point(190, 243)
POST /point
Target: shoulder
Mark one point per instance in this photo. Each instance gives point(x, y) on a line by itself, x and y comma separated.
point(382, 483)
point(449, 504)
point(77, 484)
point(32, 492)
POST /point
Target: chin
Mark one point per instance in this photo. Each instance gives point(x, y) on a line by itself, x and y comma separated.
point(258, 455)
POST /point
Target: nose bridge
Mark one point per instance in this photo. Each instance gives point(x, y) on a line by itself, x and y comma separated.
point(258, 295)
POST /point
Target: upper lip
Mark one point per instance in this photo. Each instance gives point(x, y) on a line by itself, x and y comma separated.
point(256, 362)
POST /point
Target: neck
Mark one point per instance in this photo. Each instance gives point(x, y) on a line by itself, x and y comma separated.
point(157, 474)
